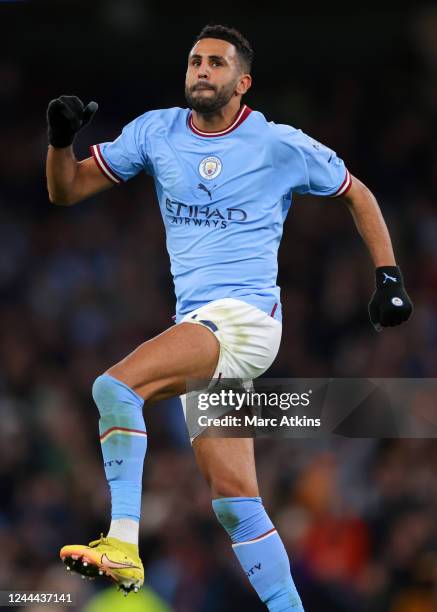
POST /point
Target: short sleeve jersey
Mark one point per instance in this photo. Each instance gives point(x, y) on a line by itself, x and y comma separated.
point(223, 197)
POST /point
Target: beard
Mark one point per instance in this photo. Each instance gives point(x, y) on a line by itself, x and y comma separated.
point(210, 103)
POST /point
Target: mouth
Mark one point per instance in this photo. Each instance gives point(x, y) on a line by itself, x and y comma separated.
point(203, 88)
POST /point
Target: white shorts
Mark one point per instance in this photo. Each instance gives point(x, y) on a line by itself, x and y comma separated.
point(249, 338)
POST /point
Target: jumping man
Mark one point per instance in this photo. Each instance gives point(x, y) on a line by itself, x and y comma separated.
point(224, 178)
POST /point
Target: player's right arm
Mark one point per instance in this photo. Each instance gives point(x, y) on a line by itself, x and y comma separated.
point(70, 181)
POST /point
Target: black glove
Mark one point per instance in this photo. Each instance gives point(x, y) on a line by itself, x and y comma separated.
point(65, 117)
point(390, 304)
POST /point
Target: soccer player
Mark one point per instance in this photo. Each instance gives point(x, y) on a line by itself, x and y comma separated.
point(224, 178)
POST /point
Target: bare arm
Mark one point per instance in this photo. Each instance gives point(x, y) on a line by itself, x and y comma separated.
point(390, 304)
point(70, 181)
point(370, 223)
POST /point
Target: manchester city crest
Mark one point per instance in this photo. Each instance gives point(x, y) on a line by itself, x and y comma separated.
point(210, 168)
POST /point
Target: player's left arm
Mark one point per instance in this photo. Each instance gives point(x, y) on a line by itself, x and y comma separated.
point(390, 304)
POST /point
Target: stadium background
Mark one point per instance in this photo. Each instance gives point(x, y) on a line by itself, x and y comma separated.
point(82, 286)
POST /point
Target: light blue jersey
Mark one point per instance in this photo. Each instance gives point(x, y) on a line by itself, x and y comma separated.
point(223, 196)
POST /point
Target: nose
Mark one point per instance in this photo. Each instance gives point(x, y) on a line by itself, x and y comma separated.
point(203, 71)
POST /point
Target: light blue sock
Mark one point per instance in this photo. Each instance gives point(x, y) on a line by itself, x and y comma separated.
point(124, 443)
point(260, 551)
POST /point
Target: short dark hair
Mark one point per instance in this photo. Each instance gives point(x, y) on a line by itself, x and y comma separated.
point(233, 36)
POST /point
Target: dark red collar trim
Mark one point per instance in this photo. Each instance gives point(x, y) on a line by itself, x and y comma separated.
point(242, 115)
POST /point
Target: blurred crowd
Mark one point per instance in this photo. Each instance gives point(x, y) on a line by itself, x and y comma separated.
point(82, 286)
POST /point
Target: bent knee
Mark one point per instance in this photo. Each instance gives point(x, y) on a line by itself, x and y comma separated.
point(141, 383)
point(108, 392)
point(104, 389)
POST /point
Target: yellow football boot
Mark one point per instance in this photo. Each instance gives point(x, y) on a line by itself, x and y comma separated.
point(106, 557)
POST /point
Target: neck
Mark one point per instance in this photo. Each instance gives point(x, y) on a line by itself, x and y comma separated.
point(218, 120)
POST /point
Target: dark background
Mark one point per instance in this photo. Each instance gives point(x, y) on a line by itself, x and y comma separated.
point(80, 287)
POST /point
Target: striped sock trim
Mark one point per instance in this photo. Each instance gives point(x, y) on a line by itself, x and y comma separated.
point(125, 431)
point(258, 539)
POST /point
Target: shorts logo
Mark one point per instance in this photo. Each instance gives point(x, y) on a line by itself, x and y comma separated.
point(210, 168)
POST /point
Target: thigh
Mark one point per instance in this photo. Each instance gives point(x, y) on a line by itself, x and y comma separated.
point(228, 465)
point(158, 368)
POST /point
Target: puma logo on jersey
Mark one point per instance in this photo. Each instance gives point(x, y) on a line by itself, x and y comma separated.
point(203, 188)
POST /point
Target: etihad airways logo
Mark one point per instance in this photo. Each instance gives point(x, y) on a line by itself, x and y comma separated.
point(203, 216)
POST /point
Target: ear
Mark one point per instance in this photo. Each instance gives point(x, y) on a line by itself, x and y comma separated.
point(244, 84)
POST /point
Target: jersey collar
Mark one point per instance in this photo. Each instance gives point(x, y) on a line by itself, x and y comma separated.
point(242, 115)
